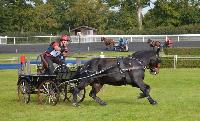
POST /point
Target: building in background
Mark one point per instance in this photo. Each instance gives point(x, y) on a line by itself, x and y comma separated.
point(85, 30)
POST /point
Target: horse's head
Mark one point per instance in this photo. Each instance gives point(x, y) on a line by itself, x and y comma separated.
point(150, 59)
point(149, 41)
point(158, 44)
point(154, 65)
point(103, 39)
point(154, 62)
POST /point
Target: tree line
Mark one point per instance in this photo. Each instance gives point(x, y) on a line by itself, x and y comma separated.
point(22, 17)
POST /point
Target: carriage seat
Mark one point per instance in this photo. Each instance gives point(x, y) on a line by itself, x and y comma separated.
point(43, 66)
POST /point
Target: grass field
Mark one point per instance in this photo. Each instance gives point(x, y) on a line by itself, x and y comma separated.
point(175, 90)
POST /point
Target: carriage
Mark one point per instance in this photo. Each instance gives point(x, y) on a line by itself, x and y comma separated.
point(96, 72)
point(121, 48)
point(49, 88)
point(110, 43)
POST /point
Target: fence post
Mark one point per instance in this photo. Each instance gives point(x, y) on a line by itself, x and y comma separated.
point(27, 39)
point(50, 39)
point(28, 66)
point(78, 61)
point(178, 38)
point(175, 61)
point(14, 41)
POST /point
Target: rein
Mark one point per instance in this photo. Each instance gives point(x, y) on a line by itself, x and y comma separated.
point(96, 74)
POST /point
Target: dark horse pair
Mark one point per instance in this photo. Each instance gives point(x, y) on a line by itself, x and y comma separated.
point(118, 71)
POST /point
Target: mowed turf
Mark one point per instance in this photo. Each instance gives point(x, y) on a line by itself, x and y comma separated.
point(175, 90)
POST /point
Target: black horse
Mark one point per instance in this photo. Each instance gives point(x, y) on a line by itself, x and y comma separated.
point(116, 71)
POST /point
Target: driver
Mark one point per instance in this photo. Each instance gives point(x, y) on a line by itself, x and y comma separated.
point(121, 41)
point(54, 53)
point(168, 42)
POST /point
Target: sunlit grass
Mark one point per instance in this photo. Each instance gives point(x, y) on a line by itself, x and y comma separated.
point(175, 90)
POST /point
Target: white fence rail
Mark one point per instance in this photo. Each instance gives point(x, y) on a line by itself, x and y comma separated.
point(97, 38)
point(176, 58)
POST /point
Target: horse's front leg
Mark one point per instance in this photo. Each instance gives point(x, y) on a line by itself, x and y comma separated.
point(76, 91)
point(95, 89)
point(74, 101)
point(143, 95)
point(146, 90)
point(138, 80)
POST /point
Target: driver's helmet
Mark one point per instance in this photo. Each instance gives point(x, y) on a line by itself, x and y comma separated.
point(64, 38)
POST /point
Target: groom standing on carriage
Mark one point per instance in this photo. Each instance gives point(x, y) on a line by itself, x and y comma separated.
point(54, 52)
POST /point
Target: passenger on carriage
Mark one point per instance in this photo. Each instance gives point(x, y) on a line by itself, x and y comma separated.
point(56, 53)
point(123, 42)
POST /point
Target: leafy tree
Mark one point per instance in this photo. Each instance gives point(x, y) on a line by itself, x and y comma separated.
point(89, 13)
point(45, 19)
point(133, 9)
point(173, 13)
point(62, 9)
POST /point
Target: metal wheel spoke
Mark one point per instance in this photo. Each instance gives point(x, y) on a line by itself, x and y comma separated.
point(50, 93)
point(51, 99)
point(23, 91)
point(70, 96)
point(79, 96)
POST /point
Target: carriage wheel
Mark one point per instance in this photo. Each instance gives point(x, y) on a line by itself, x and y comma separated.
point(48, 93)
point(23, 90)
point(69, 93)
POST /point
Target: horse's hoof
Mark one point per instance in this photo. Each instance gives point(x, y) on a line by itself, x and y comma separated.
point(141, 96)
point(153, 103)
point(103, 104)
point(75, 104)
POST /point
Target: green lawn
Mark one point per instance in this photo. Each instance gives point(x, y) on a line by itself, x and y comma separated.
point(176, 91)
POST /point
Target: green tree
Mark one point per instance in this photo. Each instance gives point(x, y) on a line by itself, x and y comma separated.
point(133, 9)
point(173, 13)
point(62, 9)
point(4, 19)
point(89, 13)
point(45, 20)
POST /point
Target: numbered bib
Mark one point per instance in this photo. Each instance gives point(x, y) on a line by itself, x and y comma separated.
point(55, 53)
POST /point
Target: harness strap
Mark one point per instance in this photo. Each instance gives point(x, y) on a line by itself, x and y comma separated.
point(120, 64)
point(123, 69)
